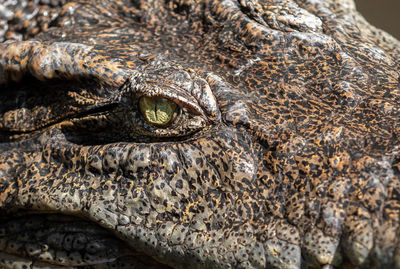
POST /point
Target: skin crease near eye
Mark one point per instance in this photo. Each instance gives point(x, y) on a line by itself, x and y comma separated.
point(157, 110)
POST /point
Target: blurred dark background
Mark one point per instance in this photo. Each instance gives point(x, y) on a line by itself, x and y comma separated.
point(384, 14)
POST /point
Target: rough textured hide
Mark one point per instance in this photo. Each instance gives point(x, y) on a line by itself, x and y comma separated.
point(283, 152)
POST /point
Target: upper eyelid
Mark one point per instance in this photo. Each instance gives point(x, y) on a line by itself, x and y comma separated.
point(195, 95)
point(180, 98)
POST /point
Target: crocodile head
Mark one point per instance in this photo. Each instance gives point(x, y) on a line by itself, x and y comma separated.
point(198, 134)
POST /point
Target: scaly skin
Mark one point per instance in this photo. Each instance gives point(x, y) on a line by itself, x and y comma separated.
point(284, 152)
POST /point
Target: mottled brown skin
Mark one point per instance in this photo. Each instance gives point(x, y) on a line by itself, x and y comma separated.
point(284, 153)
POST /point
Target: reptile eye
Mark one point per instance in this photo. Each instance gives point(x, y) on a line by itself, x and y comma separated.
point(157, 111)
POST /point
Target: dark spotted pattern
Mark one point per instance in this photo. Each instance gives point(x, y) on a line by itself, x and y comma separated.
point(284, 152)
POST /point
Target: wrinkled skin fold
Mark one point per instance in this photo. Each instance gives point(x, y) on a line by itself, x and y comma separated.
point(282, 150)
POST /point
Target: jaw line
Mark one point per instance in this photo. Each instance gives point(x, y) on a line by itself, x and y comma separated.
point(48, 244)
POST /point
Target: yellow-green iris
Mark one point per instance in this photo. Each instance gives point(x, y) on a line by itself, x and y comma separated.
point(157, 110)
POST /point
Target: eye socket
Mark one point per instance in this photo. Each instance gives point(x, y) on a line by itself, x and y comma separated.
point(158, 111)
point(154, 105)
